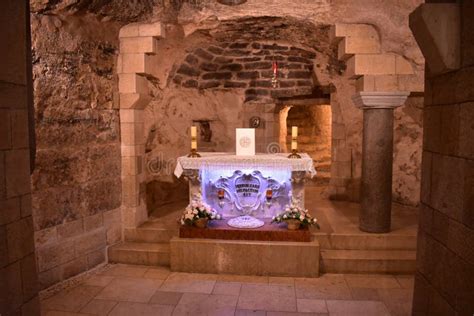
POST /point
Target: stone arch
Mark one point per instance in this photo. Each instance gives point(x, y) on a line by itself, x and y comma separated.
point(358, 46)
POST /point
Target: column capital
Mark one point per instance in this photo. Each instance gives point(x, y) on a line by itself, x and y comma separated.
point(380, 99)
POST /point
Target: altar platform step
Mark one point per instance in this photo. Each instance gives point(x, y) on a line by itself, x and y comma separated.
point(361, 241)
point(368, 261)
point(150, 234)
point(150, 254)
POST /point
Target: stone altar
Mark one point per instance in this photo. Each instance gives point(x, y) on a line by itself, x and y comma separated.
point(254, 186)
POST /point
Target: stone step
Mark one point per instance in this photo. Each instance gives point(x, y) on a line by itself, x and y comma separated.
point(150, 254)
point(338, 241)
point(150, 234)
point(245, 257)
point(368, 261)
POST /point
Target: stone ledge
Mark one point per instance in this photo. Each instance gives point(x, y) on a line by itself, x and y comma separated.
point(268, 232)
point(380, 100)
point(294, 259)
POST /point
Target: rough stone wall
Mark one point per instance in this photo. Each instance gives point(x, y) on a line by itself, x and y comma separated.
point(76, 184)
point(407, 148)
point(18, 276)
point(444, 283)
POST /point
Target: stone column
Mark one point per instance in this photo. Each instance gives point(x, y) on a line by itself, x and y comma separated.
point(377, 158)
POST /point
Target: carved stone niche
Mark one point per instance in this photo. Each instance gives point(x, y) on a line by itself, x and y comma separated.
point(231, 2)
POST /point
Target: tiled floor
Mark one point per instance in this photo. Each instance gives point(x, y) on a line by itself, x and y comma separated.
point(135, 290)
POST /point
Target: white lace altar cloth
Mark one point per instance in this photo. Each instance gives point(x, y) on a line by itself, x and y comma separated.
point(231, 161)
point(245, 221)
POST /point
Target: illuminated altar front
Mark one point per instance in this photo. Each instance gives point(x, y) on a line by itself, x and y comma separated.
point(260, 185)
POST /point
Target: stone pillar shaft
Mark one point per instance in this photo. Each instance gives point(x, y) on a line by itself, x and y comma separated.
point(377, 158)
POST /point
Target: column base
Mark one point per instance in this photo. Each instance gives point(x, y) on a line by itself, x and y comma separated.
point(374, 230)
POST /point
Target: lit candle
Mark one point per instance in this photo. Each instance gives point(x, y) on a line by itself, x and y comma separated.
point(294, 136)
point(294, 131)
point(193, 137)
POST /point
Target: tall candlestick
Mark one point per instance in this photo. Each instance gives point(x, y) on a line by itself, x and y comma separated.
point(193, 137)
point(194, 153)
point(294, 131)
point(294, 142)
point(294, 145)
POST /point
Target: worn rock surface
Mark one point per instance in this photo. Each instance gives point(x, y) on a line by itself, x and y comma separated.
point(76, 184)
point(77, 173)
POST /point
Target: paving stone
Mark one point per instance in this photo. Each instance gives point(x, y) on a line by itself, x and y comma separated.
point(227, 288)
point(128, 308)
point(166, 298)
point(350, 308)
point(308, 305)
point(99, 307)
point(72, 300)
point(130, 289)
point(267, 297)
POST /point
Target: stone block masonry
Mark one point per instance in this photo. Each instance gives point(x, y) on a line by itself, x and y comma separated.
point(444, 282)
point(248, 66)
point(18, 275)
point(68, 249)
point(76, 185)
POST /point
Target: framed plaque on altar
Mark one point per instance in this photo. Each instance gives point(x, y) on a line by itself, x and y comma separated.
point(245, 141)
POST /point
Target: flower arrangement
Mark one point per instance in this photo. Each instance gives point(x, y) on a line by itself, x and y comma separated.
point(198, 211)
point(295, 216)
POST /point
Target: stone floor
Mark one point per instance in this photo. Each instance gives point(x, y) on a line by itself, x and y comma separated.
point(136, 290)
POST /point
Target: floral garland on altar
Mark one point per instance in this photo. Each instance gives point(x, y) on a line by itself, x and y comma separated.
point(196, 210)
point(296, 213)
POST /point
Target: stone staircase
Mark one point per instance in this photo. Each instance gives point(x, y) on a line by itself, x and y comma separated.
point(149, 244)
point(367, 253)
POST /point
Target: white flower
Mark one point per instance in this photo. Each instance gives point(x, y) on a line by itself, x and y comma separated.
point(218, 216)
point(301, 218)
point(182, 222)
point(315, 220)
point(195, 212)
point(189, 216)
point(212, 216)
point(285, 216)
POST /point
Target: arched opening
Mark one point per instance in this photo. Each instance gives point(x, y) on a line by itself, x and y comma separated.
point(314, 137)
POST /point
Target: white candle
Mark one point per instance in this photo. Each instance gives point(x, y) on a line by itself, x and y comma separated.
point(193, 137)
point(293, 145)
point(294, 131)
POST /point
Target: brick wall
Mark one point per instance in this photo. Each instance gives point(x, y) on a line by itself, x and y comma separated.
point(18, 276)
point(248, 66)
point(445, 261)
